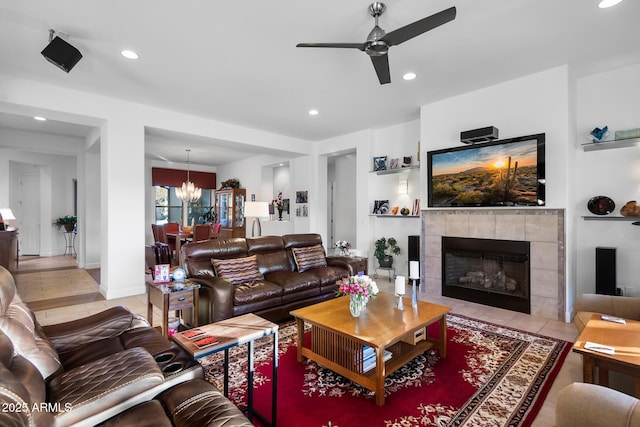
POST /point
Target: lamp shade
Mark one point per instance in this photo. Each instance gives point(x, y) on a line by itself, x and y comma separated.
point(256, 209)
point(6, 214)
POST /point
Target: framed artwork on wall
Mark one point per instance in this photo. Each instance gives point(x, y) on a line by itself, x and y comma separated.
point(302, 196)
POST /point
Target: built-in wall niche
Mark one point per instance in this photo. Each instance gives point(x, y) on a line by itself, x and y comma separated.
point(281, 192)
point(398, 194)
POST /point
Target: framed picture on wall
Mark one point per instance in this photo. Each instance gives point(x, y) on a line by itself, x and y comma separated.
point(380, 163)
point(393, 163)
point(302, 196)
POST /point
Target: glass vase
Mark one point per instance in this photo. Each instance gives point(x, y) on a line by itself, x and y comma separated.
point(356, 304)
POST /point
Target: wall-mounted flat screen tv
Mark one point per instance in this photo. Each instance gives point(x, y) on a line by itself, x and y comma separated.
point(508, 172)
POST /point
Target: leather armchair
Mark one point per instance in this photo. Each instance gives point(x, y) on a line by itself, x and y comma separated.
point(588, 304)
point(87, 370)
point(587, 405)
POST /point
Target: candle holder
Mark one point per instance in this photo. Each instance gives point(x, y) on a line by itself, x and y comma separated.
point(414, 295)
point(400, 303)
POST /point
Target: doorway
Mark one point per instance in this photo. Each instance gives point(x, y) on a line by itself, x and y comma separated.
point(28, 211)
point(341, 194)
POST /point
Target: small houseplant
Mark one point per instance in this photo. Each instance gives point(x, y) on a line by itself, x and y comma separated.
point(384, 250)
point(67, 221)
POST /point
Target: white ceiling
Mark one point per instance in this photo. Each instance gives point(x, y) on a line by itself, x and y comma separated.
point(236, 61)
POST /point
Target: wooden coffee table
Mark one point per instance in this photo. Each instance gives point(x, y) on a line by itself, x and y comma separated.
point(625, 339)
point(337, 338)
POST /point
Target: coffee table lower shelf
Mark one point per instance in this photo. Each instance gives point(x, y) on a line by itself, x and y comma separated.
point(344, 355)
point(402, 353)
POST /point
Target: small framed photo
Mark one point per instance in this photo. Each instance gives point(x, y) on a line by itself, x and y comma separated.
point(381, 207)
point(406, 161)
point(380, 163)
point(393, 163)
point(161, 273)
point(302, 197)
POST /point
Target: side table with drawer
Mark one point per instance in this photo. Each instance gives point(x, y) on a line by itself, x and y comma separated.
point(167, 298)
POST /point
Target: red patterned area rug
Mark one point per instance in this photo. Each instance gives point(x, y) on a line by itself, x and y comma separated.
point(492, 376)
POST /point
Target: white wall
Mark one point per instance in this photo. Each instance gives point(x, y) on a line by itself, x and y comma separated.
point(613, 99)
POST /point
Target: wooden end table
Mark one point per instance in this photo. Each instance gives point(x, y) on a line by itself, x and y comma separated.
point(233, 332)
point(337, 338)
point(624, 338)
point(166, 299)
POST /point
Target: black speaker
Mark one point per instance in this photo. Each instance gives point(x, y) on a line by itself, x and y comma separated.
point(479, 135)
point(61, 54)
point(606, 271)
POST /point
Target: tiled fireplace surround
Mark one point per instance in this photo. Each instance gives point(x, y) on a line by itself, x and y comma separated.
point(543, 228)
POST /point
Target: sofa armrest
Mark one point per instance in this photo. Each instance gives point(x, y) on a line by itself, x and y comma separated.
point(215, 299)
point(342, 263)
point(107, 324)
point(587, 405)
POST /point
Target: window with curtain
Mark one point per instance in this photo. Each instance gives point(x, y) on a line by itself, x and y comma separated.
point(169, 207)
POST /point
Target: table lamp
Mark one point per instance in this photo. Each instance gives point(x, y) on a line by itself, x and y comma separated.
point(256, 210)
point(5, 215)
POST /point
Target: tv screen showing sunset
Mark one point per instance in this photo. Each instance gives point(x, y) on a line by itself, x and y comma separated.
point(489, 175)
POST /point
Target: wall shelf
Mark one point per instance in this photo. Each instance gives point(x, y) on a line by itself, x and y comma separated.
point(613, 143)
point(610, 218)
point(396, 170)
point(395, 216)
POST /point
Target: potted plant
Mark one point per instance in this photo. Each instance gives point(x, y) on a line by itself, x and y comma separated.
point(384, 250)
point(67, 221)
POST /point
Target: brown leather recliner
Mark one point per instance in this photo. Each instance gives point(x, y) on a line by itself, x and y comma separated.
point(283, 287)
point(84, 371)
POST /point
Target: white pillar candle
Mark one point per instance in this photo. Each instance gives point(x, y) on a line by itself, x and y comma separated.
point(414, 270)
point(400, 290)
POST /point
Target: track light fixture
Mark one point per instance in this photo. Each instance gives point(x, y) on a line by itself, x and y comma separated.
point(60, 53)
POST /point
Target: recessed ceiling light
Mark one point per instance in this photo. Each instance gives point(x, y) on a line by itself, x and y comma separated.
point(39, 118)
point(608, 3)
point(409, 76)
point(313, 112)
point(129, 54)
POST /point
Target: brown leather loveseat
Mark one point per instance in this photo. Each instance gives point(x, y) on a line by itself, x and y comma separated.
point(268, 276)
point(108, 366)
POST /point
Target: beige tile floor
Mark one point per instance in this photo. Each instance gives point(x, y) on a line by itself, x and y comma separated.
point(42, 279)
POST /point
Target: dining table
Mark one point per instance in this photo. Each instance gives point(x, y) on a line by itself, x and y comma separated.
point(179, 236)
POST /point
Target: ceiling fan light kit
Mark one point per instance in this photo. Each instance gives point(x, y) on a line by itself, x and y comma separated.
point(378, 41)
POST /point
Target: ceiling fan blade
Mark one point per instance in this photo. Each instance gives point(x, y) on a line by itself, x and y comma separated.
point(359, 46)
point(381, 64)
point(422, 26)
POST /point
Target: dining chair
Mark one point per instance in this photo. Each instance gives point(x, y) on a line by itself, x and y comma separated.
point(202, 232)
point(216, 230)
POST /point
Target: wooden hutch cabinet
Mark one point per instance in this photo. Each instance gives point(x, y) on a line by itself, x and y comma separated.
point(230, 209)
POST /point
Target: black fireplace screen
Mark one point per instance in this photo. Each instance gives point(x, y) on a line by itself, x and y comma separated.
point(487, 271)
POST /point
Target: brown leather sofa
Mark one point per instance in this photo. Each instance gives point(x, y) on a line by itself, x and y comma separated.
point(90, 370)
point(280, 287)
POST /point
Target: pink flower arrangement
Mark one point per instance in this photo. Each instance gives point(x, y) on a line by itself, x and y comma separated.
point(279, 202)
point(358, 286)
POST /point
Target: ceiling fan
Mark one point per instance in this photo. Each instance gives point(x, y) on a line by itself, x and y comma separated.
point(378, 42)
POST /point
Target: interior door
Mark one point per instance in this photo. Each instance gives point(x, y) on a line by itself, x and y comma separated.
point(29, 214)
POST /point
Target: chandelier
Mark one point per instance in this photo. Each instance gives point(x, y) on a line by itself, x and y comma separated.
point(189, 192)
